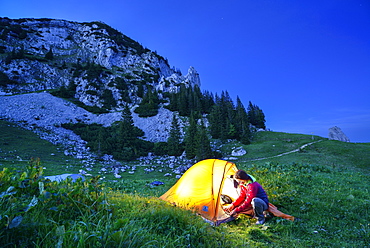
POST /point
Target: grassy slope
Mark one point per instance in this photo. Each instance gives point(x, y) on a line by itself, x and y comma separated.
point(18, 146)
point(325, 186)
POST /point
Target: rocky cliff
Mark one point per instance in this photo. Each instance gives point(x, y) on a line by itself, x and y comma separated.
point(92, 59)
point(91, 63)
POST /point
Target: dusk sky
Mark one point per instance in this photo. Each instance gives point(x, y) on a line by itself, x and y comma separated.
point(306, 64)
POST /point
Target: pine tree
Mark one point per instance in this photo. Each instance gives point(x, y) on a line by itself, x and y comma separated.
point(174, 140)
point(149, 105)
point(109, 101)
point(232, 132)
point(215, 121)
point(207, 102)
point(20, 53)
point(256, 116)
point(197, 97)
point(227, 113)
point(251, 113)
point(227, 105)
point(127, 136)
point(191, 138)
point(242, 122)
point(203, 145)
point(173, 102)
point(246, 134)
point(183, 102)
point(140, 90)
point(218, 120)
point(49, 55)
point(260, 118)
point(123, 88)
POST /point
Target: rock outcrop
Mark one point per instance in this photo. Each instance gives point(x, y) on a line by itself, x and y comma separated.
point(335, 133)
point(88, 62)
point(93, 60)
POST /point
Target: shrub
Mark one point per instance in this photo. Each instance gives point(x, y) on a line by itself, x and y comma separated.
point(31, 206)
point(5, 80)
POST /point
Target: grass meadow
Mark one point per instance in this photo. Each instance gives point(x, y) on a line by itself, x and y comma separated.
point(325, 186)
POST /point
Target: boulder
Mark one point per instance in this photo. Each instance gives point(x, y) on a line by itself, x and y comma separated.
point(239, 151)
point(335, 133)
point(62, 177)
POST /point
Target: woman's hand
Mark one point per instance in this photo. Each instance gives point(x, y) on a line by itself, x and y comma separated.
point(229, 208)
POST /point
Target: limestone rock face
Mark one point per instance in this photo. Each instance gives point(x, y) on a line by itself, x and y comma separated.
point(94, 58)
point(335, 133)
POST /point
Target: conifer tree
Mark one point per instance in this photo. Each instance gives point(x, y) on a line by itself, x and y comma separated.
point(203, 148)
point(174, 140)
point(190, 99)
point(242, 123)
point(207, 102)
point(183, 102)
point(127, 136)
point(191, 138)
point(256, 116)
point(197, 96)
point(227, 105)
point(173, 106)
point(260, 118)
point(227, 112)
point(149, 105)
point(216, 120)
point(232, 132)
point(246, 134)
point(109, 101)
point(20, 53)
point(49, 55)
point(123, 88)
point(140, 90)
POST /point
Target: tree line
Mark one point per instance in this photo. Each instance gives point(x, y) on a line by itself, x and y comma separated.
point(207, 118)
point(226, 120)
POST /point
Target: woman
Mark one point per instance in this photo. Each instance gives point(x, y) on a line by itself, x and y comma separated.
point(252, 196)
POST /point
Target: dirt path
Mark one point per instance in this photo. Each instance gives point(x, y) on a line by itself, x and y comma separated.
point(285, 153)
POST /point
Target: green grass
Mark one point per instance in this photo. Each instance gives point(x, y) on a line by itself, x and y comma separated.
point(268, 144)
point(325, 186)
point(18, 146)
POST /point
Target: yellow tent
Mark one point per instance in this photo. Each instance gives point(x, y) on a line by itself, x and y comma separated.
point(201, 187)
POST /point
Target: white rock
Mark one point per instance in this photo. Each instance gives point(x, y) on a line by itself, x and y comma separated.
point(335, 133)
point(239, 151)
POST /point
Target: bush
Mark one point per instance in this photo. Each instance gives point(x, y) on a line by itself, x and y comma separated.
point(160, 148)
point(31, 206)
point(109, 101)
point(147, 110)
point(5, 80)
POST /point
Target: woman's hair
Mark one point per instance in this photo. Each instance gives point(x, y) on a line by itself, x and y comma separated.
point(240, 174)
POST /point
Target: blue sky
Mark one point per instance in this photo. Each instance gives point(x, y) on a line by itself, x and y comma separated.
point(306, 64)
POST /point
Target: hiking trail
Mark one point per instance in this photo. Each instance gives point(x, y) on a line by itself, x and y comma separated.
point(285, 153)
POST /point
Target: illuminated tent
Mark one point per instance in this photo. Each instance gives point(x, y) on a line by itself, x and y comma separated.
point(201, 187)
point(205, 187)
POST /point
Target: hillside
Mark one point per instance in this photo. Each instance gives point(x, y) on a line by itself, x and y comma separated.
point(324, 185)
point(91, 64)
point(44, 113)
point(58, 75)
point(42, 54)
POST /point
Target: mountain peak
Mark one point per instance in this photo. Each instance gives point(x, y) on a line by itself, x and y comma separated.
point(91, 57)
